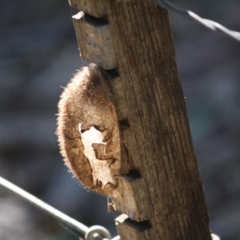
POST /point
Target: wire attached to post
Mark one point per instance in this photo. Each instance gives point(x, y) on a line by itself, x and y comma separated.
point(214, 26)
point(92, 233)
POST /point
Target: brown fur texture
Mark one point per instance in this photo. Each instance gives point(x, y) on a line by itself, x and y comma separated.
point(86, 109)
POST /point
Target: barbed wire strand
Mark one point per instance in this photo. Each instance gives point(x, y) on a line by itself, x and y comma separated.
point(214, 26)
point(74, 224)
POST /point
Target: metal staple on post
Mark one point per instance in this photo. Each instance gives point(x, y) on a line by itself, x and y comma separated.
point(214, 26)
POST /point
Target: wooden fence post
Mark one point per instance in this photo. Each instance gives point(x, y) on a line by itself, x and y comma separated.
point(161, 197)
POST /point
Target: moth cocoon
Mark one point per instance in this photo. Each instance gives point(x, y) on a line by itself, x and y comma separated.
point(88, 130)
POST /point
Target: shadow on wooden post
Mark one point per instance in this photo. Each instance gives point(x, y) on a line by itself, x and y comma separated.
point(162, 196)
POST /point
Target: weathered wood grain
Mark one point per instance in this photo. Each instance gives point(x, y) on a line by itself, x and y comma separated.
point(163, 187)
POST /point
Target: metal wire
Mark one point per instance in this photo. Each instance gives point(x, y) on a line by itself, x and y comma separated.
point(214, 26)
point(70, 230)
point(100, 232)
point(94, 232)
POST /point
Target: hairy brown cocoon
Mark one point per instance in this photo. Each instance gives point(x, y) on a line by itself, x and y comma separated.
point(88, 130)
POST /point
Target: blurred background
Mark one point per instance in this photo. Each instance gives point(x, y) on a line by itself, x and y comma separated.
point(39, 54)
